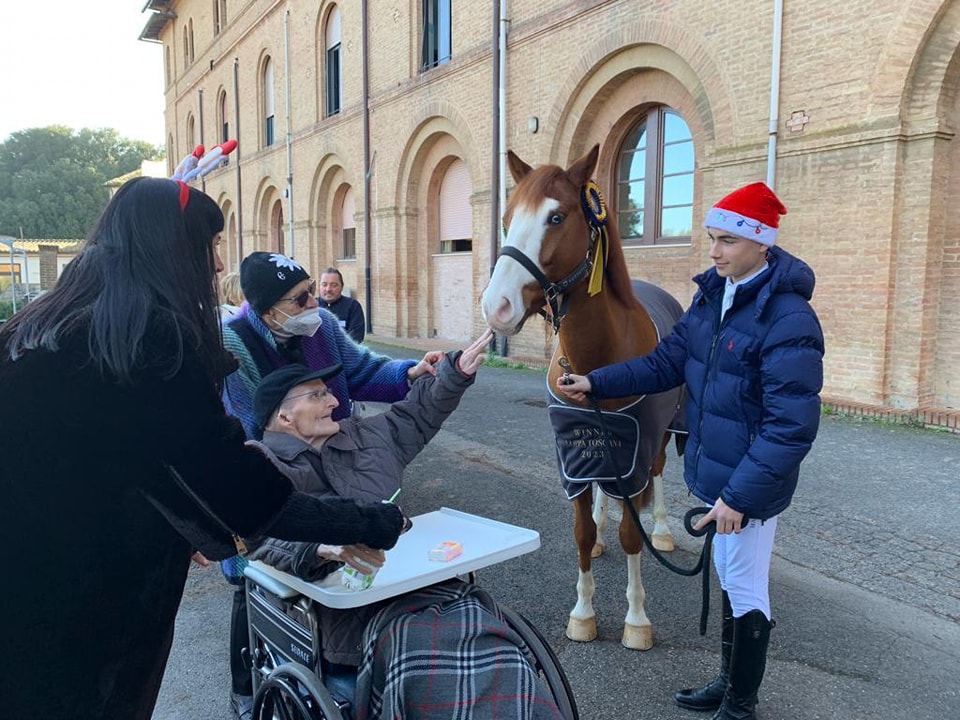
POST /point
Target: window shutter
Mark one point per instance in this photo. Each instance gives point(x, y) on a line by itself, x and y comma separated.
point(348, 211)
point(456, 220)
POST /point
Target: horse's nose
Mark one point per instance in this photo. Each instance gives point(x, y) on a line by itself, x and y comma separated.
point(498, 313)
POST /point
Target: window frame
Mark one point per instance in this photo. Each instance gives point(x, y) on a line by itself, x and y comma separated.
point(219, 16)
point(436, 29)
point(333, 64)
point(267, 80)
point(653, 206)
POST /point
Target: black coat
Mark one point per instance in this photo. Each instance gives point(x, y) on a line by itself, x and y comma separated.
point(93, 571)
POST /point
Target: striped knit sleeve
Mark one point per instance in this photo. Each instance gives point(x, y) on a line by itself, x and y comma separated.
point(239, 386)
point(370, 376)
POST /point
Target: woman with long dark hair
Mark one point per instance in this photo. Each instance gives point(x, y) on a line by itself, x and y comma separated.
point(117, 461)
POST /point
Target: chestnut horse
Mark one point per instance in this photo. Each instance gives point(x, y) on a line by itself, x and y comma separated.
point(554, 251)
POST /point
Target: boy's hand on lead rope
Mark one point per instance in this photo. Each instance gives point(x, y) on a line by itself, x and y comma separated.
point(573, 386)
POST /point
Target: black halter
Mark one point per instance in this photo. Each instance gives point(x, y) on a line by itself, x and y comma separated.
point(554, 293)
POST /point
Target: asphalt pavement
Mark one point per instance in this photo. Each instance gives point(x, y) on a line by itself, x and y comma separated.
point(865, 583)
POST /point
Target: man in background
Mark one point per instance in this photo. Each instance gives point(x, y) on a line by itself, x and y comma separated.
point(347, 310)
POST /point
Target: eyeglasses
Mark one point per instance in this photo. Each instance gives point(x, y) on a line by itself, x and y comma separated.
point(301, 299)
point(313, 395)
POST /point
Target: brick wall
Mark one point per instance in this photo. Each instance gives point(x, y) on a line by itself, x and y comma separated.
point(865, 150)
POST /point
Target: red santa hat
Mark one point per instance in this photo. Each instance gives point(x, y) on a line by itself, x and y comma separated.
point(751, 212)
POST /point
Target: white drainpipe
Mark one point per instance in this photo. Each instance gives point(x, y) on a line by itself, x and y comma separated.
point(774, 127)
point(286, 62)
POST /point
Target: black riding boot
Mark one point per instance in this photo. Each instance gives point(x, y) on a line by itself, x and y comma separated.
point(710, 695)
point(751, 635)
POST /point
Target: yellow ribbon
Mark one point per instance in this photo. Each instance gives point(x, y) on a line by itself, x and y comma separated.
point(595, 284)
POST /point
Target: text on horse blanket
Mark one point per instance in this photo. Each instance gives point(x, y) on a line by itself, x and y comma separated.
point(588, 452)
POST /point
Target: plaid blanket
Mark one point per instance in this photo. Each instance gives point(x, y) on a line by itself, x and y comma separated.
point(446, 653)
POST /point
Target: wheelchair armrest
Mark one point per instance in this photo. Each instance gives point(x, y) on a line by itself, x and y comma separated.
point(268, 582)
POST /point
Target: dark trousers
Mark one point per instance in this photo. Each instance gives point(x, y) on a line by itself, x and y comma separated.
point(240, 674)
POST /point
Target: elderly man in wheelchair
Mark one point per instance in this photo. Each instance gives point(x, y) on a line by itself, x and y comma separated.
point(320, 650)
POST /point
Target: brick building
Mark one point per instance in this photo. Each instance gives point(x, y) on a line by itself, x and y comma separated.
point(367, 137)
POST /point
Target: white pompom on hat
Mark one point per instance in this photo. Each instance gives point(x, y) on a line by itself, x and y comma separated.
point(752, 212)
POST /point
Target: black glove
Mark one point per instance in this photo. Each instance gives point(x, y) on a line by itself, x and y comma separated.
point(383, 524)
point(335, 521)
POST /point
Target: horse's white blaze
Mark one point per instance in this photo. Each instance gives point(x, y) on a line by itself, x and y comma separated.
point(502, 301)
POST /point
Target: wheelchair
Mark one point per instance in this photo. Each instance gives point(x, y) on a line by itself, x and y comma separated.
point(289, 680)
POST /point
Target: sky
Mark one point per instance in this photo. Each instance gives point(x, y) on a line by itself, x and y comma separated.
point(80, 64)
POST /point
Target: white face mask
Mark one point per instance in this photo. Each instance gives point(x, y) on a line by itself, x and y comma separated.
point(306, 324)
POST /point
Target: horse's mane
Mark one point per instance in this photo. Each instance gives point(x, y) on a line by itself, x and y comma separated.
point(617, 274)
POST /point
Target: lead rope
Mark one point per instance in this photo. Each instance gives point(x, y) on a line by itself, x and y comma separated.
point(702, 565)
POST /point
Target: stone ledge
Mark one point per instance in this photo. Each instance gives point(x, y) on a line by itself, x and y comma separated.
point(940, 418)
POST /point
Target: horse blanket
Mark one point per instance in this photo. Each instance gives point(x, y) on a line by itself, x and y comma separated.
point(629, 437)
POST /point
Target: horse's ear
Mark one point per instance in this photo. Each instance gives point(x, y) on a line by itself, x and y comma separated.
point(518, 168)
point(582, 169)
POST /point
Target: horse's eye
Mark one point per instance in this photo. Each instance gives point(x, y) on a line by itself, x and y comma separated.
point(555, 219)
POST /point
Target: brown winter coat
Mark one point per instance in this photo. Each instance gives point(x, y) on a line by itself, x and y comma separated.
point(364, 461)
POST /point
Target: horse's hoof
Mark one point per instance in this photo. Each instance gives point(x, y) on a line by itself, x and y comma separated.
point(663, 543)
point(597, 551)
point(637, 637)
point(582, 630)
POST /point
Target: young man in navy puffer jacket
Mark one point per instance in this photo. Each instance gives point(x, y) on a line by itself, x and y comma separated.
point(750, 350)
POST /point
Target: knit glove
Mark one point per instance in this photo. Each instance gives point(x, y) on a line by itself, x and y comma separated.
point(334, 521)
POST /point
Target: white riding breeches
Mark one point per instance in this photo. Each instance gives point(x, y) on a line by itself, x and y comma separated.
point(742, 561)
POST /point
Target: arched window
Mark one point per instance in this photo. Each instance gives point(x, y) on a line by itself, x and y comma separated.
point(168, 72)
point(219, 16)
point(348, 225)
point(222, 118)
point(276, 228)
point(268, 110)
point(456, 218)
point(223, 123)
point(186, 48)
point(190, 34)
point(333, 69)
point(191, 133)
point(655, 180)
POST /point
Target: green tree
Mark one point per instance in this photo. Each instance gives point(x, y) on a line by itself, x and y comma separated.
point(52, 179)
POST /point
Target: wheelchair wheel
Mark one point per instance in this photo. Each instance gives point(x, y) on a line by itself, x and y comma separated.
point(292, 692)
point(547, 663)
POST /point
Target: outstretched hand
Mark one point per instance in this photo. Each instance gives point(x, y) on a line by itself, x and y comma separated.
point(427, 365)
point(574, 387)
point(472, 356)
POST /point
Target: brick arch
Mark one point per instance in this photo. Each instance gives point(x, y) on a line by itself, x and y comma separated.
point(329, 175)
point(430, 150)
point(930, 46)
point(645, 44)
point(438, 117)
point(919, 368)
point(266, 195)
